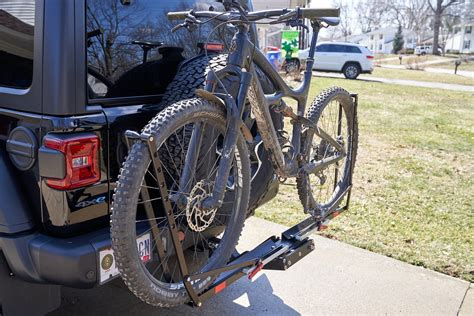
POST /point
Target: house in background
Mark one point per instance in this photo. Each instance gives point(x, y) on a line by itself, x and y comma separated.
point(381, 41)
point(462, 41)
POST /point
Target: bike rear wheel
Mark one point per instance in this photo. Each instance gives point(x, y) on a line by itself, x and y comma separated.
point(333, 111)
point(208, 238)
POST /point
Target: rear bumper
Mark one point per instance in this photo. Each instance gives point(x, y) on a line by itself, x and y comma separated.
point(70, 262)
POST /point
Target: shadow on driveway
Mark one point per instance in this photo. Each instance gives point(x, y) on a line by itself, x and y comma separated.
point(242, 298)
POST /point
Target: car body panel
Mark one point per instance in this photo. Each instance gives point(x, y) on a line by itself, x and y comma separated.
point(326, 59)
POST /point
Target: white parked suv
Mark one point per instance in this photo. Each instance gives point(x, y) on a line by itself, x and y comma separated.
point(425, 49)
point(347, 58)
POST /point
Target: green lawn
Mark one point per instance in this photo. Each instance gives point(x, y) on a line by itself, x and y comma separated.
point(446, 61)
point(413, 184)
point(406, 59)
point(420, 75)
point(385, 56)
point(469, 66)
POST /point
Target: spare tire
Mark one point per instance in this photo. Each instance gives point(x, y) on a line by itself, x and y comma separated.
point(192, 75)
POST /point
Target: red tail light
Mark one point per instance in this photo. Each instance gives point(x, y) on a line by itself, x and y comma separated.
point(370, 57)
point(82, 160)
point(212, 47)
point(215, 47)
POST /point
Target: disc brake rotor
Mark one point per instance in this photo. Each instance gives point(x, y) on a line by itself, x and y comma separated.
point(198, 219)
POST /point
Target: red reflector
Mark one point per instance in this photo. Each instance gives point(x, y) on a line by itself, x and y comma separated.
point(257, 269)
point(219, 288)
point(215, 47)
point(82, 160)
point(370, 57)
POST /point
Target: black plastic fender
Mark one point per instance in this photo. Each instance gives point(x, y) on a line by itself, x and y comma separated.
point(15, 216)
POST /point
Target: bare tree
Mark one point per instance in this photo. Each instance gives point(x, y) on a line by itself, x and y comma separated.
point(417, 12)
point(398, 13)
point(345, 27)
point(439, 9)
point(115, 24)
point(372, 14)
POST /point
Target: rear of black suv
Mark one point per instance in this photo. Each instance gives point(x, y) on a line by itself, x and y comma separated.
point(74, 76)
point(69, 87)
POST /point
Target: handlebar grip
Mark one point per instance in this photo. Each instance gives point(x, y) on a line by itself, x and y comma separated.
point(179, 15)
point(312, 14)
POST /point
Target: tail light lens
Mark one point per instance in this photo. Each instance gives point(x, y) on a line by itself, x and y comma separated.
point(370, 57)
point(212, 47)
point(81, 158)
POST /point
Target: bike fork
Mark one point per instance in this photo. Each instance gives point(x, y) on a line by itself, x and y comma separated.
point(235, 111)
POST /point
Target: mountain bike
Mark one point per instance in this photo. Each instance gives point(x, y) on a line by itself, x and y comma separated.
point(178, 211)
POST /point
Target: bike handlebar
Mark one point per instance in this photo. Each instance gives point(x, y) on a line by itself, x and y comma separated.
point(309, 13)
point(178, 15)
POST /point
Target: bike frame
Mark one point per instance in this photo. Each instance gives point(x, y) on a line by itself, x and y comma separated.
point(241, 64)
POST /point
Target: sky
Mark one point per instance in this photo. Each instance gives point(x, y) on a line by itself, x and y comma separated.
point(330, 4)
point(321, 3)
point(327, 3)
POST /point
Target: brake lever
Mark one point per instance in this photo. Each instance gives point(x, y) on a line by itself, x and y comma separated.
point(296, 23)
point(189, 23)
point(177, 27)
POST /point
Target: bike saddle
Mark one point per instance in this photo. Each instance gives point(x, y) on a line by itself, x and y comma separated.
point(148, 44)
point(330, 21)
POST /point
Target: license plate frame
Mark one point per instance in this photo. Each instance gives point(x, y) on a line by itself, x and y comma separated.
point(108, 269)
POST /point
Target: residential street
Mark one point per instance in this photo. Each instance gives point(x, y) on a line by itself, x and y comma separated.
point(334, 279)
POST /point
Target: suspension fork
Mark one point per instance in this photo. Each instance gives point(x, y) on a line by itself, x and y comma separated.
point(235, 108)
point(234, 121)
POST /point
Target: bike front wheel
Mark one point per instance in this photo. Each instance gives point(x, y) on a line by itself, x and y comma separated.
point(208, 237)
point(333, 111)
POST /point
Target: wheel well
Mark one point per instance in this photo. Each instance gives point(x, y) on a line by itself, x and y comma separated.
point(352, 62)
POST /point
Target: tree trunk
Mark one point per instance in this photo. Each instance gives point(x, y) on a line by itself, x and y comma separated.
point(436, 27)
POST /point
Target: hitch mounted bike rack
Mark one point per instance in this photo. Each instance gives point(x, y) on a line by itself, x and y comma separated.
point(275, 253)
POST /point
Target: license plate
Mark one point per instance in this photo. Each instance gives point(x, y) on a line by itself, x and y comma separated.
point(108, 268)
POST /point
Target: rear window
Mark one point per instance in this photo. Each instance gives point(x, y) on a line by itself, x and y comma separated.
point(338, 48)
point(115, 52)
point(353, 49)
point(17, 20)
point(323, 48)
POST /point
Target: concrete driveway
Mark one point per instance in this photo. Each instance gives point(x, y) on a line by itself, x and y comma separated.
point(334, 279)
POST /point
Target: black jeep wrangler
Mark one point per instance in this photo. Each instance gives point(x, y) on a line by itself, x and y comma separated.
point(74, 76)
